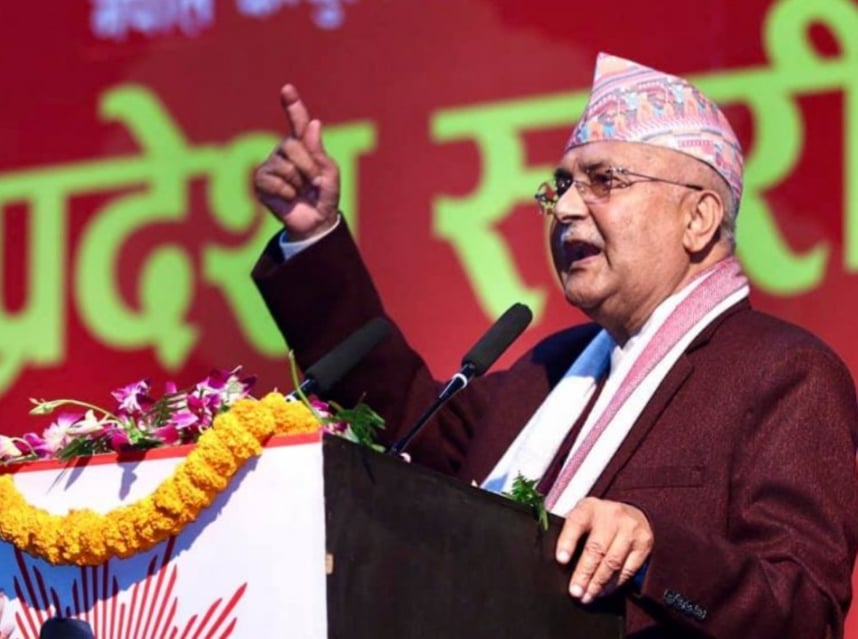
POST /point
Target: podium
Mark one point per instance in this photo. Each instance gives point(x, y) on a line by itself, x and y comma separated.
point(420, 555)
point(316, 538)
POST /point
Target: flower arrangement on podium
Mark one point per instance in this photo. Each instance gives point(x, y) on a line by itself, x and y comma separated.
point(219, 416)
point(162, 517)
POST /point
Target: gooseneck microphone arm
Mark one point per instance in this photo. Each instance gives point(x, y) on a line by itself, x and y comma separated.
point(476, 362)
point(456, 383)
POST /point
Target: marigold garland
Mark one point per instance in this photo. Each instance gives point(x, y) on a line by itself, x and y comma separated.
point(86, 538)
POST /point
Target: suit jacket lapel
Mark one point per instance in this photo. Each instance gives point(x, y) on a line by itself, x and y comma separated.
point(650, 414)
point(672, 382)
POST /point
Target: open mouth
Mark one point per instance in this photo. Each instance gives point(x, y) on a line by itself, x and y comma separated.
point(577, 250)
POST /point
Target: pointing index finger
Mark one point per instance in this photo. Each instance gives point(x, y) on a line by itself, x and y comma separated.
point(295, 110)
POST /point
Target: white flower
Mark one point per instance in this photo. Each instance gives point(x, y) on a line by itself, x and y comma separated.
point(86, 426)
point(8, 447)
point(56, 436)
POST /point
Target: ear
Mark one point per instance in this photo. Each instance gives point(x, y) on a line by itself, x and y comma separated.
point(704, 216)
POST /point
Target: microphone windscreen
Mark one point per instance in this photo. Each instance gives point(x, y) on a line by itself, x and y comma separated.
point(498, 338)
point(65, 628)
point(342, 358)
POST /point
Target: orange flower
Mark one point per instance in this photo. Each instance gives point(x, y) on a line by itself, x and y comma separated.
point(290, 417)
point(86, 538)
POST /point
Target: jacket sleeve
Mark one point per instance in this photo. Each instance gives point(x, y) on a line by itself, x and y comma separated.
point(321, 296)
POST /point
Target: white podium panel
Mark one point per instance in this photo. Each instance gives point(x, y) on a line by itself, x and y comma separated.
point(252, 565)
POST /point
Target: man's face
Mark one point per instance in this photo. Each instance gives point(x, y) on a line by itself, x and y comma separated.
point(618, 258)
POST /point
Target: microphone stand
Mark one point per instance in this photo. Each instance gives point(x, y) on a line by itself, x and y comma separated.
point(456, 383)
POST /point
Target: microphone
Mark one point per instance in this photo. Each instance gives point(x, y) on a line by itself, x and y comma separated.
point(475, 362)
point(65, 628)
point(321, 376)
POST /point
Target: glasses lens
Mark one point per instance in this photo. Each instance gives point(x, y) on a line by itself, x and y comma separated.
point(546, 196)
point(562, 183)
point(601, 181)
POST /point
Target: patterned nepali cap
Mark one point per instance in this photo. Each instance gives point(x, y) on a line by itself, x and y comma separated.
point(633, 103)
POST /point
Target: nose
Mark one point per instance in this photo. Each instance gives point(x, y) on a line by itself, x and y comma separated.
point(570, 206)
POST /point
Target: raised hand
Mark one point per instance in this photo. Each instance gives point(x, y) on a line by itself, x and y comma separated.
point(299, 182)
point(618, 542)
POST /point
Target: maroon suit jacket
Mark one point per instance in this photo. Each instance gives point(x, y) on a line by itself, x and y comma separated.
point(743, 460)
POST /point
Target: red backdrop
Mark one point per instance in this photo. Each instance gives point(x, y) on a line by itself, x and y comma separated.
point(130, 131)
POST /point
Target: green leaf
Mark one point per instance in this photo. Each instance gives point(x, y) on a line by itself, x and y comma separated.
point(79, 447)
point(293, 368)
point(362, 424)
point(524, 492)
point(162, 410)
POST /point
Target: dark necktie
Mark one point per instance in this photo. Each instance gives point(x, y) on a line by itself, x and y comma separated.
point(562, 453)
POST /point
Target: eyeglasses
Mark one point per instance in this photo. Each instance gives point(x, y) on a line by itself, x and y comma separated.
point(596, 188)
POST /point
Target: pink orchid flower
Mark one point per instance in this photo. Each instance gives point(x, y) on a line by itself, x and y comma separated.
point(168, 434)
point(117, 439)
point(57, 436)
point(134, 398)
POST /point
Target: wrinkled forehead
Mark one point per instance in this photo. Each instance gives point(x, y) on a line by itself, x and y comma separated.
point(615, 153)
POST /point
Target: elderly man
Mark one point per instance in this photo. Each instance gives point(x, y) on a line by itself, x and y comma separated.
point(703, 453)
